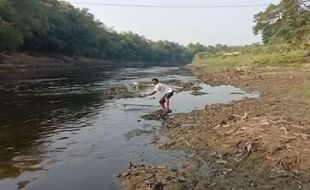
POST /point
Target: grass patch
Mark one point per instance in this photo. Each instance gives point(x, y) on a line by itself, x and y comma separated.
point(251, 59)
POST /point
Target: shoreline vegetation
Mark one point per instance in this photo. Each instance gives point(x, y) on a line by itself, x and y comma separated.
point(255, 55)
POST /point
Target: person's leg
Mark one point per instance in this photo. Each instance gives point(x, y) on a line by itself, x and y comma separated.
point(162, 103)
point(167, 101)
point(167, 104)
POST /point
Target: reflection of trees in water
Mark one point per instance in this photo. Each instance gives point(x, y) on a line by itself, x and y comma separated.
point(27, 120)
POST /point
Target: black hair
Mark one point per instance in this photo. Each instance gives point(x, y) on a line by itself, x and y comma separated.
point(155, 79)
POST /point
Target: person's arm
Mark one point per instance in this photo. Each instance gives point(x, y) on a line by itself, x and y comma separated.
point(150, 94)
point(154, 91)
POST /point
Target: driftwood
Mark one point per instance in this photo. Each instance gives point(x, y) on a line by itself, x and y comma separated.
point(244, 117)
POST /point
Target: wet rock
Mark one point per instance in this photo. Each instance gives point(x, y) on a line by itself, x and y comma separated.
point(22, 184)
point(241, 93)
point(156, 115)
point(136, 132)
point(198, 93)
point(188, 86)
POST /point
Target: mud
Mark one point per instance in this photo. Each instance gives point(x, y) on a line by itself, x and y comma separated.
point(268, 145)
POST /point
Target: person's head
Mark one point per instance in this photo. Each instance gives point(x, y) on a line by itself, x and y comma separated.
point(155, 81)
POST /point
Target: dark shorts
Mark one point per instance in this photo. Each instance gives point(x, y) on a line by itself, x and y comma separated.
point(163, 99)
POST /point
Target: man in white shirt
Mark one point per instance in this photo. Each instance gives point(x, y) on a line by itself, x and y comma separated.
point(165, 90)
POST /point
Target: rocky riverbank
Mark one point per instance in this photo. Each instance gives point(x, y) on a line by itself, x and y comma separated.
point(249, 144)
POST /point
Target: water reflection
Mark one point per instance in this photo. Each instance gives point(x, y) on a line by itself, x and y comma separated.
point(28, 120)
point(33, 111)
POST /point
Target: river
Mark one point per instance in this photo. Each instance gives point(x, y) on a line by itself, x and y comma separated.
point(65, 133)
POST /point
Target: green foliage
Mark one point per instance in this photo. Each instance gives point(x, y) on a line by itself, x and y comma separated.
point(10, 39)
point(286, 22)
point(251, 55)
point(52, 26)
point(196, 48)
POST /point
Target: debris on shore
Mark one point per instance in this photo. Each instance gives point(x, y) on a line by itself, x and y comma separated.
point(143, 177)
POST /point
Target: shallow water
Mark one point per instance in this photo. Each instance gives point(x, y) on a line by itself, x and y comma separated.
point(62, 133)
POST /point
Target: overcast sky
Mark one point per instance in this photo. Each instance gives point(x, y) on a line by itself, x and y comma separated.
point(209, 26)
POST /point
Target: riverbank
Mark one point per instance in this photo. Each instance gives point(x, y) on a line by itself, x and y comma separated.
point(253, 143)
point(26, 66)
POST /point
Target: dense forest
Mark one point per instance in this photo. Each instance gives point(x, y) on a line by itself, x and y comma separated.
point(52, 26)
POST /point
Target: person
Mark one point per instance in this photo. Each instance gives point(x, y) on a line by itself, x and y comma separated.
point(165, 90)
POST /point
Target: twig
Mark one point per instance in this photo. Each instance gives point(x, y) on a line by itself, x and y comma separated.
point(188, 143)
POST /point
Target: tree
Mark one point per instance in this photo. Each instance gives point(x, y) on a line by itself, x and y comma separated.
point(10, 39)
point(196, 48)
point(288, 22)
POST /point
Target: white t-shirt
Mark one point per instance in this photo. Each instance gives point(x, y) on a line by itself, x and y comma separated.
point(162, 88)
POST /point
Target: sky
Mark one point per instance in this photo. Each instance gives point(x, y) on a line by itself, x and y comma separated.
point(209, 26)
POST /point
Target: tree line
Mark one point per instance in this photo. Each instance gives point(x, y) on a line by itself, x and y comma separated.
point(52, 26)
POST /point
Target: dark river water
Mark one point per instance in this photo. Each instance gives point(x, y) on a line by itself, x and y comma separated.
point(65, 134)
